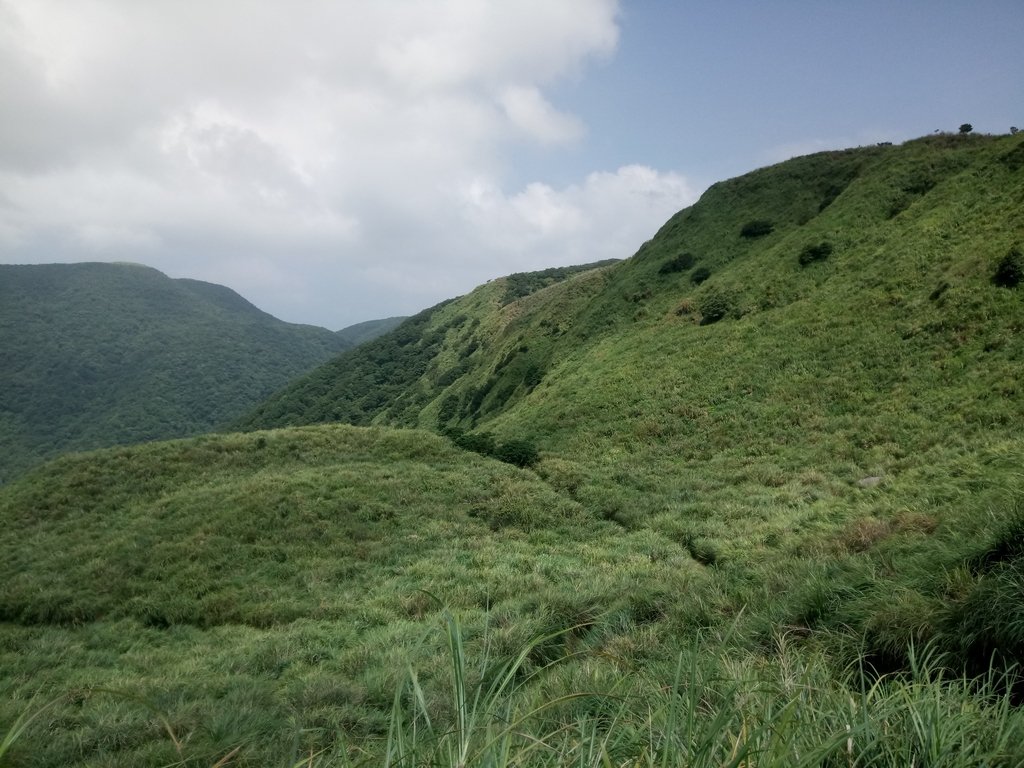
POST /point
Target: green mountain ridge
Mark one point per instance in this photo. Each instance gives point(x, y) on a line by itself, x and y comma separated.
point(775, 519)
point(102, 354)
point(901, 224)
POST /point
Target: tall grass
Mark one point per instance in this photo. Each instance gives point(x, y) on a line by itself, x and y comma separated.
point(719, 708)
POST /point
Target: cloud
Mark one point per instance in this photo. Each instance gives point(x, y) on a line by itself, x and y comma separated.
point(529, 111)
point(333, 161)
point(608, 215)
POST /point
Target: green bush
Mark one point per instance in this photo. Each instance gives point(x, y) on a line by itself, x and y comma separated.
point(984, 629)
point(699, 275)
point(1014, 159)
point(714, 305)
point(679, 263)
point(1010, 270)
point(533, 375)
point(757, 228)
point(449, 409)
point(522, 453)
point(812, 253)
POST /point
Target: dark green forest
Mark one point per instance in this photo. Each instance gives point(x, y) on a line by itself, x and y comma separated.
point(94, 355)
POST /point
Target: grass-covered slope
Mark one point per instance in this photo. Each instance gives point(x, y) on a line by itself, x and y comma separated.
point(255, 588)
point(776, 517)
point(262, 597)
point(828, 276)
point(392, 378)
point(103, 354)
point(817, 361)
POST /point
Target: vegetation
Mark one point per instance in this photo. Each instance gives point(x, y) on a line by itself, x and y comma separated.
point(434, 361)
point(699, 275)
point(678, 263)
point(360, 333)
point(105, 354)
point(522, 284)
point(521, 453)
point(714, 305)
point(1010, 270)
point(813, 253)
point(757, 228)
point(792, 537)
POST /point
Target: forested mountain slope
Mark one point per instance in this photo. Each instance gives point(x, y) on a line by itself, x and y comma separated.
point(102, 354)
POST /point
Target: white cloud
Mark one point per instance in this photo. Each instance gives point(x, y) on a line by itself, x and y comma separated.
point(607, 216)
point(334, 161)
point(529, 111)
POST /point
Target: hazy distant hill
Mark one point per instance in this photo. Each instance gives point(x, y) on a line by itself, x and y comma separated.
point(101, 354)
point(370, 329)
point(775, 516)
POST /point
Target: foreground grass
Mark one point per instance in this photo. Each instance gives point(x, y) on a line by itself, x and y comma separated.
point(717, 707)
point(265, 596)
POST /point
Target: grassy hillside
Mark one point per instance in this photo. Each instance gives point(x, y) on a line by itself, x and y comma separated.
point(391, 378)
point(262, 597)
point(294, 573)
point(104, 354)
point(911, 237)
point(777, 516)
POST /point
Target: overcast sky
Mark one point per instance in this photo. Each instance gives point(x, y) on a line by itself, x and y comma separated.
point(340, 160)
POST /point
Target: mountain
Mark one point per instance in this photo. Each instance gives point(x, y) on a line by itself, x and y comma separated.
point(773, 514)
point(391, 377)
point(368, 330)
point(95, 355)
point(842, 282)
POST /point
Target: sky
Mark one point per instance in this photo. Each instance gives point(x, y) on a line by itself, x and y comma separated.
point(336, 161)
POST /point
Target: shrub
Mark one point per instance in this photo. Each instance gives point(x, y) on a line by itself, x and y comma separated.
point(899, 204)
point(757, 228)
point(830, 195)
point(522, 453)
point(699, 275)
point(812, 253)
point(714, 305)
point(479, 442)
point(1010, 270)
point(449, 409)
point(966, 128)
point(533, 375)
point(678, 263)
point(1014, 159)
point(940, 289)
point(685, 307)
